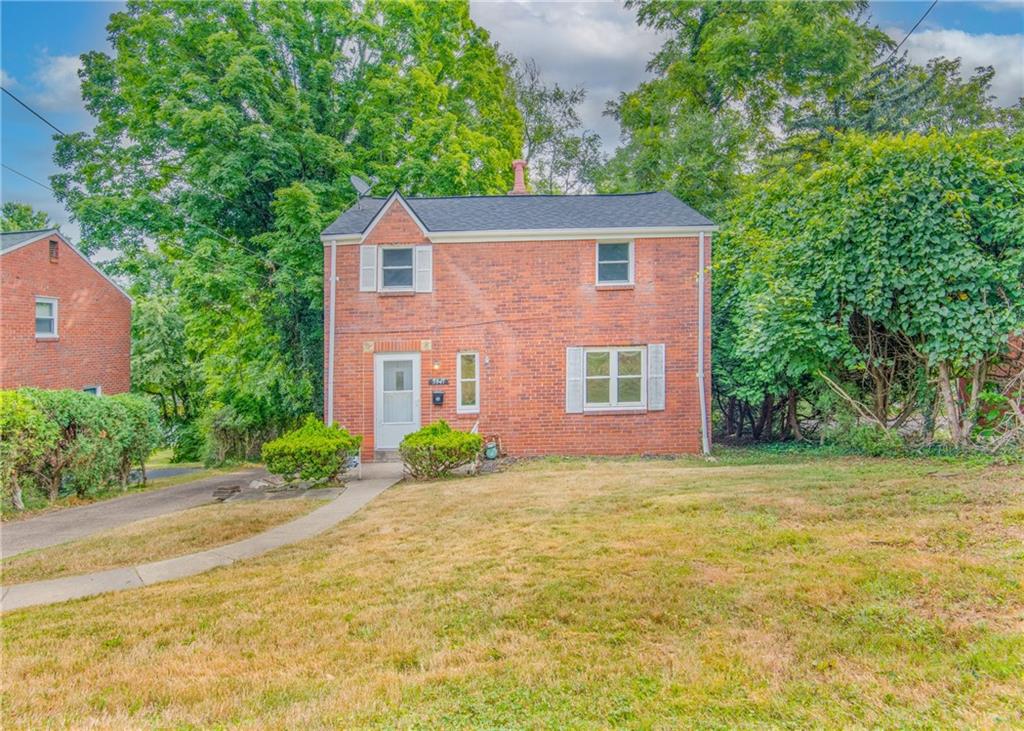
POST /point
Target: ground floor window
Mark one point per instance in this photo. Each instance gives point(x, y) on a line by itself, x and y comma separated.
point(94, 390)
point(468, 383)
point(615, 378)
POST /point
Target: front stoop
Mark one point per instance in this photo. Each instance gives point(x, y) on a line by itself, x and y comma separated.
point(386, 455)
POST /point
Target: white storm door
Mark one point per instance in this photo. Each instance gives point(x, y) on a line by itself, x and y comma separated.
point(396, 397)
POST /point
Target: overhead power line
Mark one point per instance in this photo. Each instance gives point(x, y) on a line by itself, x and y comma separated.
point(40, 116)
point(32, 180)
point(911, 32)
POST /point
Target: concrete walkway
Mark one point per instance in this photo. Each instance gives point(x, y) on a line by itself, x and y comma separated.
point(70, 524)
point(376, 479)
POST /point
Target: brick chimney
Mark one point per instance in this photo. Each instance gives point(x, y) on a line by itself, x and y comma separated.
point(519, 187)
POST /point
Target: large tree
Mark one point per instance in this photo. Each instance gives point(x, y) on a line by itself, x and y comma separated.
point(226, 134)
point(723, 84)
point(22, 217)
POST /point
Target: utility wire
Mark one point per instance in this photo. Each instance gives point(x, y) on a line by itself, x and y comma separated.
point(44, 119)
point(911, 32)
point(33, 180)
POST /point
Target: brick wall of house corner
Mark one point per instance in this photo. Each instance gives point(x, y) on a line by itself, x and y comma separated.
point(94, 323)
point(520, 305)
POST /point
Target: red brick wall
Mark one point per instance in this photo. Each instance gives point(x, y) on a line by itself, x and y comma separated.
point(520, 305)
point(93, 323)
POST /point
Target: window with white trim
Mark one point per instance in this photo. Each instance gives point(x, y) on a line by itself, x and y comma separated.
point(94, 390)
point(615, 378)
point(615, 262)
point(46, 317)
point(468, 380)
point(396, 268)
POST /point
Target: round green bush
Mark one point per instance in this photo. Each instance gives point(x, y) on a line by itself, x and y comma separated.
point(314, 452)
point(437, 449)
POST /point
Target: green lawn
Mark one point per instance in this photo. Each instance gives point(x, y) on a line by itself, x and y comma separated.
point(645, 594)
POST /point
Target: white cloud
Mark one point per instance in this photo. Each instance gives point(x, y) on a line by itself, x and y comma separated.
point(58, 88)
point(597, 45)
point(1005, 53)
point(7, 80)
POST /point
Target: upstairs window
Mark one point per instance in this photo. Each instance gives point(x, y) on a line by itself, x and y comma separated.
point(46, 317)
point(615, 263)
point(469, 383)
point(396, 270)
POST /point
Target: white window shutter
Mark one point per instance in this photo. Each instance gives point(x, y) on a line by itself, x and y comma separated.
point(574, 380)
point(367, 268)
point(656, 377)
point(424, 256)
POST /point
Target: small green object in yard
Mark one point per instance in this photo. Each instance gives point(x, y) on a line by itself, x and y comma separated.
point(491, 450)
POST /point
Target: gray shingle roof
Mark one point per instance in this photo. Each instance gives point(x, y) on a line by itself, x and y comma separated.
point(10, 239)
point(531, 212)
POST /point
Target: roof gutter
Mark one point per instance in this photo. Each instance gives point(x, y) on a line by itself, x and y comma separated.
point(544, 234)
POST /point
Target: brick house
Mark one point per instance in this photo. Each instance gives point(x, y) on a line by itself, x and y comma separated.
point(562, 324)
point(63, 323)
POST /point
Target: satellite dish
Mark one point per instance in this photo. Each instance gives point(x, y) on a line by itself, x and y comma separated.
point(361, 186)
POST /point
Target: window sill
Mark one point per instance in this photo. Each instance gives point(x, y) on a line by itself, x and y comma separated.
point(48, 338)
point(396, 292)
point(613, 287)
point(615, 410)
point(468, 412)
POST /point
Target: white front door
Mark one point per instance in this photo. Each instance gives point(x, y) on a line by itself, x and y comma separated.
point(396, 386)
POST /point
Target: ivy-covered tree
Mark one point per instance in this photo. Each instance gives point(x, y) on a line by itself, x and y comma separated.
point(16, 216)
point(226, 132)
point(896, 260)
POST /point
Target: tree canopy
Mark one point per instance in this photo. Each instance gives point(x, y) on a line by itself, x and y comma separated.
point(16, 216)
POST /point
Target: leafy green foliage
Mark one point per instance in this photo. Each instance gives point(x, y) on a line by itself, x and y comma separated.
point(724, 82)
point(26, 436)
point(77, 440)
point(314, 451)
point(226, 133)
point(163, 364)
point(16, 216)
point(894, 255)
point(869, 439)
point(137, 432)
point(437, 449)
point(188, 443)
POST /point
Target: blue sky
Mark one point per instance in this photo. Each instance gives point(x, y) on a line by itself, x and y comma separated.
point(590, 43)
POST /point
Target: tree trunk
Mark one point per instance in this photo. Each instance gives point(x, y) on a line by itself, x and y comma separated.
point(952, 403)
point(794, 424)
point(16, 493)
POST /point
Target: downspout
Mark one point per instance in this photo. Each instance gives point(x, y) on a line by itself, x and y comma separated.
point(704, 436)
point(329, 416)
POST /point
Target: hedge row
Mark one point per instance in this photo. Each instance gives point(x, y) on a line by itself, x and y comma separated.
point(73, 440)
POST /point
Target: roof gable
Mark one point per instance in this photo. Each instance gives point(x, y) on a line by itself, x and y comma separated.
point(14, 240)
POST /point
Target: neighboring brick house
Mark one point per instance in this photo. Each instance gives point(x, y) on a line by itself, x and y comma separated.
point(63, 323)
point(562, 324)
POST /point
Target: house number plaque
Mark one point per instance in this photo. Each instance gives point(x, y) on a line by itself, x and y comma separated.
point(438, 381)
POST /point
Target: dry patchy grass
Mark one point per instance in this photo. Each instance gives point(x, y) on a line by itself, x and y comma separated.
point(154, 539)
point(578, 594)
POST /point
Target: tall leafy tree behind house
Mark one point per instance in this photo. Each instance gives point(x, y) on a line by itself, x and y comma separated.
point(723, 84)
point(561, 155)
point(16, 216)
point(226, 134)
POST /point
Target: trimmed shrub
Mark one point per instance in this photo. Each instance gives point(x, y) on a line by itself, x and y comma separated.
point(437, 449)
point(137, 435)
point(314, 451)
point(26, 436)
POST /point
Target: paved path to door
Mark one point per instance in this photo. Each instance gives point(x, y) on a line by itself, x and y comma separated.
point(357, 494)
point(70, 524)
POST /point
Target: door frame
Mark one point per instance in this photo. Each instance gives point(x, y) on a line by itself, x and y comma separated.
point(378, 393)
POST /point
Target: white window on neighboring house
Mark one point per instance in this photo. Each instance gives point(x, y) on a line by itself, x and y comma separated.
point(615, 262)
point(468, 379)
point(615, 378)
point(396, 268)
point(46, 317)
point(94, 390)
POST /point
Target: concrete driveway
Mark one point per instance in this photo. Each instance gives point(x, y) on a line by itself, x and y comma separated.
point(70, 524)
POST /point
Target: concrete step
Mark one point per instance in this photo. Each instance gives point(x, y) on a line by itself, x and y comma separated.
point(386, 455)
